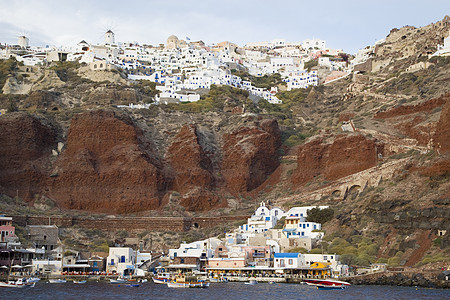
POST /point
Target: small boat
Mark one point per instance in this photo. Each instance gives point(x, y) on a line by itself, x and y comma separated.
point(79, 281)
point(132, 285)
point(57, 281)
point(33, 279)
point(326, 283)
point(218, 280)
point(118, 280)
point(142, 280)
point(181, 282)
point(330, 287)
point(162, 278)
point(19, 283)
point(252, 282)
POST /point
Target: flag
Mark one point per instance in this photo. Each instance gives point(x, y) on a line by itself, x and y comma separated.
point(187, 38)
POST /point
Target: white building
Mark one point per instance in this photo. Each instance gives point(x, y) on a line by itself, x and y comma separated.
point(120, 259)
point(314, 44)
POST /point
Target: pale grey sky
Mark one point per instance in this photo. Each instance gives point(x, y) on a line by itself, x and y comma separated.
point(345, 24)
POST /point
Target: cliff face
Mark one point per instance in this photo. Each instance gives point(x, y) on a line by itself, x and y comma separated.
point(442, 135)
point(107, 166)
point(250, 156)
point(25, 153)
point(345, 155)
point(193, 170)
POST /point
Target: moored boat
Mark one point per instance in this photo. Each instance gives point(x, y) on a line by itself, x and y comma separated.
point(330, 287)
point(118, 280)
point(79, 281)
point(19, 283)
point(327, 283)
point(252, 282)
point(57, 281)
point(181, 282)
point(162, 278)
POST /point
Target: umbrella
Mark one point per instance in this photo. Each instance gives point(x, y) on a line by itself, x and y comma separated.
point(17, 267)
point(3, 267)
point(28, 266)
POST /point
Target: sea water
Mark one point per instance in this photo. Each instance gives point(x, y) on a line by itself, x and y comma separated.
point(232, 291)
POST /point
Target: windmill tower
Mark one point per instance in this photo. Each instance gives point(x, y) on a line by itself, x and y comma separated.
point(23, 41)
point(109, 37)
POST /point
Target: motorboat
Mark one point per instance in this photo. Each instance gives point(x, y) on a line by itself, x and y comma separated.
point(57, 281)
point(332, 283)
point(118, 280)
point(19, 283)
point(79, 281)
point(252, 282)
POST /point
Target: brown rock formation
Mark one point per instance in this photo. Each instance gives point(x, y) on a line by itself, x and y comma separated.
point(346, 155)
point(24, 154)
point(442, 135)
point(107, 167)
point(250, 155)
point(193, 170)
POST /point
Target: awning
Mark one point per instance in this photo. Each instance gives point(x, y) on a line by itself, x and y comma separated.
point(77, 266)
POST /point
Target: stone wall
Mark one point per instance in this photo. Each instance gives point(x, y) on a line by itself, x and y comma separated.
point(130, 224)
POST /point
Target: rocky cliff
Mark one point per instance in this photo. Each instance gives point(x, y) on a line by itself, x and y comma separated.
point(335, 157)
point(25, 153)
point(108, 166)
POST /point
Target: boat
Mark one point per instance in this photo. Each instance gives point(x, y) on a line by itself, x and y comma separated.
point(330, 287)
point(162, 278)
point(327, 283)
point(218, 280)
point(33, 279)
point(118, 280)
point(252, 282)
point(132, 285)
point(19, 283)
point(142, 280)
point(79, 281)
point(57, 281)
point(181, 282)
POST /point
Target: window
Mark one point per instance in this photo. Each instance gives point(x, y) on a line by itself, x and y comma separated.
point(112, 262)
point(45, 237)
point(182, 260)
point(122, 259)
point(94, 264)
point(290, 262)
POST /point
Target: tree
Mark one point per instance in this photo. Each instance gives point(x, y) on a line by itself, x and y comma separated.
point(320, 215)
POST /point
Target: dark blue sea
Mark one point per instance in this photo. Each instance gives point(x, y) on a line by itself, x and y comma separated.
point(229, 291)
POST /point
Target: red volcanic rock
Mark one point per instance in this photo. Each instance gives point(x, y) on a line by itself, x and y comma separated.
point(107, 167)
point(346, 155)
point(350, 154)
point(442, 135)
point(311, 161)
point(250, 155)
point(402, 110)
point(193, 170)
point(24, 154)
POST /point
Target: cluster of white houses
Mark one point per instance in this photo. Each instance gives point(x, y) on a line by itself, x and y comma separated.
point(181, 68)
point(260, 246)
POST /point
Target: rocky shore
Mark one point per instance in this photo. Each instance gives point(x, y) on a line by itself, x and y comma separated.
point(428, 279)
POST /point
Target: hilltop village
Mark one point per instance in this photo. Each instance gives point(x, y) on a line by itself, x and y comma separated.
point(183, 68)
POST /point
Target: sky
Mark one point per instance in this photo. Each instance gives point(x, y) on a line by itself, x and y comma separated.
point(346, 24)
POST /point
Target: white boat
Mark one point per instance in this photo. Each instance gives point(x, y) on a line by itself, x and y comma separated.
point(118, 280)
point(162, 278)
point(33, 279)
point(327, 283)
point(252, 282)
point(57, 281)
point(19, 283)
point(79, 281)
